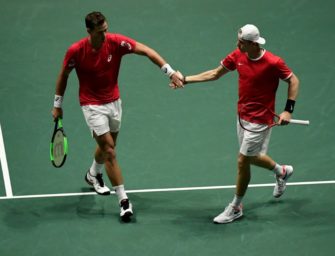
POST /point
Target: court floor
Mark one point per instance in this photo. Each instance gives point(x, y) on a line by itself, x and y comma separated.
point(177, 148)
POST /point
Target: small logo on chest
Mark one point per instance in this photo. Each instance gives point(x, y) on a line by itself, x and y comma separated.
point(109, 57)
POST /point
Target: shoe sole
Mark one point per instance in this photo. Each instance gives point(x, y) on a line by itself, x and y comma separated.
point(91, 184)
point(127, 216)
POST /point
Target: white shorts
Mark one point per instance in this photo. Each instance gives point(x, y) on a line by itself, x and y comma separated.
point(103, 118)
point(251, 143)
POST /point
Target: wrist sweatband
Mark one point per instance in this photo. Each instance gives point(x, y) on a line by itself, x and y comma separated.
point(58, 101)
point(167, 70)
point(290, 106)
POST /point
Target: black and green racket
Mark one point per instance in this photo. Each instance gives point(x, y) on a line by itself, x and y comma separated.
point(58, 145)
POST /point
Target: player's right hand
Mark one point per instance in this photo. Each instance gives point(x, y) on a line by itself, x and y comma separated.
point(57, 112)
point(177, 80)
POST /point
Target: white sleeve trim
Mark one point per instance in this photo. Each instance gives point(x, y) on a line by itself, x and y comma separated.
point(288, 76)
point(225, 66)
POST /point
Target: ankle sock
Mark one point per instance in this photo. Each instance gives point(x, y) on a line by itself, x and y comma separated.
point(237, 200)
point(120, 192)
point(278, 170)
point(96, 168)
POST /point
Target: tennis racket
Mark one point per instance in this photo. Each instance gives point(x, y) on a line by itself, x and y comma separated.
point(58, 145)
point(257, 113)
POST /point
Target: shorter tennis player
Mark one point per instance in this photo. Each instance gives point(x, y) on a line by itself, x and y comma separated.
point(259, 72)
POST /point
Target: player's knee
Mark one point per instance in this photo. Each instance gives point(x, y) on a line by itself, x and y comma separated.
point(109, 153)
point(243, 160)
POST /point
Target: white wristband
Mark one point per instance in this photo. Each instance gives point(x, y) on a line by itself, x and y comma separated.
point(167, 70)
point(58, 101)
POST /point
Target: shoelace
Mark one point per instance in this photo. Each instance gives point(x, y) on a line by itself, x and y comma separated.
point(99, 179)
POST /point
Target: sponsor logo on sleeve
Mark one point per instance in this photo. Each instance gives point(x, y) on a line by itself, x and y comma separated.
point(126, 44)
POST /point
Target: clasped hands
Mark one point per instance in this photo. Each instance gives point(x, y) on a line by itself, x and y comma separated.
point(177, 80)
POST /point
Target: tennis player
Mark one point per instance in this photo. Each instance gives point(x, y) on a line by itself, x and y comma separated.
point(97, 60)
point(259, 73)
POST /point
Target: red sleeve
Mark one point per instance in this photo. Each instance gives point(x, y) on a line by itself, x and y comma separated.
point(230, 61)
point(70, 58)
point(284, 72)
point(126, 45)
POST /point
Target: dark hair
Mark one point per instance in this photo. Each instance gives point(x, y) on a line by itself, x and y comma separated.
point(94, 19)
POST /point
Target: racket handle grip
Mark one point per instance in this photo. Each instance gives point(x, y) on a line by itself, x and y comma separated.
point(302, 122)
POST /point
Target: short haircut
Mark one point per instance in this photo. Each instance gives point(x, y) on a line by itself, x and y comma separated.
point(94, 19)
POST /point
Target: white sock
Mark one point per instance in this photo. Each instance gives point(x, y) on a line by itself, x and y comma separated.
point(120, 192)
point(96, 168)
point(237, 201)
point(278, 170)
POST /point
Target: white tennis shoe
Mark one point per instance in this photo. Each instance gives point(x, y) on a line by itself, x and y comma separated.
point(281, 181)
point(230, 214)
point(97, 183)
point(126, 210)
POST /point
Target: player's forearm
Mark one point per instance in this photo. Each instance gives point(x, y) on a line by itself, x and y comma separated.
point(61, 84)
point(202, 77)
point(152, 55)
point(293, 88)
point(292, 93)
point(59, 93)
point(156, 58)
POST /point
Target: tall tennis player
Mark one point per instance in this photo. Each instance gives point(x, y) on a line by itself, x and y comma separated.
point(97, 59)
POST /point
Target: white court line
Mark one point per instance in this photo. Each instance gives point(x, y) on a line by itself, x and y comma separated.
point(4, 167)
point(172, 189)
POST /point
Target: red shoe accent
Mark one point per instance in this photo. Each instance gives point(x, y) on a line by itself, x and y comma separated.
point(284, 171)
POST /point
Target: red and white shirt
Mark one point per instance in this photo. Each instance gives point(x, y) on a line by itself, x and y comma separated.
point(98, 70)
point(258, 80)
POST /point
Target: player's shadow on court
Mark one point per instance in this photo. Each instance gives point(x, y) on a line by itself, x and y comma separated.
point(92, 206)
point(27, 214)
point(167, 208)
point(280, 211)
point(98, 206)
